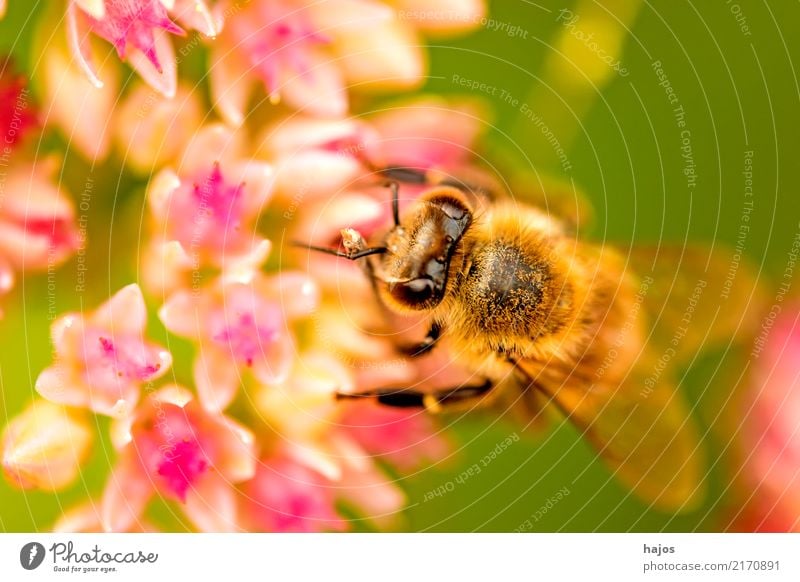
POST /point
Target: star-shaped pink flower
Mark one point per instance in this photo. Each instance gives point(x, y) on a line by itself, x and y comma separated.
point(102, 359)
point(172, 447)
point(240, 328)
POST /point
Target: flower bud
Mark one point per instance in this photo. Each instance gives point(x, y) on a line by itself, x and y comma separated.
point(44, 447)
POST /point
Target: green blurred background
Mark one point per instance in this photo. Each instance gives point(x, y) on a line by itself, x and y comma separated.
point(731, 66)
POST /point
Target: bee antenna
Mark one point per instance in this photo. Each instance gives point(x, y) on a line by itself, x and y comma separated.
point(343, 254)
point(395, 189)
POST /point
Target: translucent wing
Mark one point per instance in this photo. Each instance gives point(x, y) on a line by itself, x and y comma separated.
point(693, 298)
point(644, 433)
point(697, 297)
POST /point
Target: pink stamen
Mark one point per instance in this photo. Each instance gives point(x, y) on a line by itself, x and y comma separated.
point(217, 199)
point(246, 339)
point(123, 364)
point(182, 466)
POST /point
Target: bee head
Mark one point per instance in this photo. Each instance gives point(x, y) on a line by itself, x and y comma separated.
point(415, 267)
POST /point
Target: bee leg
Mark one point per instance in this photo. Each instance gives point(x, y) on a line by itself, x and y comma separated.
point(426, 345)
point(432, 401)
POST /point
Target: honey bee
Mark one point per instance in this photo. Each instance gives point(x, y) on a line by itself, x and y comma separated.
point(539, 314)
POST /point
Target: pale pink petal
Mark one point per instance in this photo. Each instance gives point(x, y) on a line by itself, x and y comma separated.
point(236, 450)
point(336, 330)
point(443, 17)
point(313, 457)
point(374, 494)
point(217, 380)
point(231, 83)
point(258, 179)
point(80, 108)
point(2, 8)
point(242, 269)
point(385, 56)
point(38, 228)
point(151, 130)
point(182, 314)
point(124, 312)
point(66, 333)
point(83, 518)
point(297, 293)
point(120, 431)
point(160, 190)
point(287, 497)
point(58, 384)
point(428, 132)
point(348, 16)
point(407, 438)
point(319, 90)
point(211, 505)
point(95, 8)
point(80, 45)
point(6, 275)
point(273, 364)
point(25, 250)
point(126, 494)
point(164, 267)
point(173, 394)
point(164, 81)
point(197, 15)
point(116, 404)
point(28, 251)
point(347, 210)
point(214, 143)
point(37, 192)
point(314, 174)
point(299, 133)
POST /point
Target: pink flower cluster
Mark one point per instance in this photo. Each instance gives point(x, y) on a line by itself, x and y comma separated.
point(252, 436)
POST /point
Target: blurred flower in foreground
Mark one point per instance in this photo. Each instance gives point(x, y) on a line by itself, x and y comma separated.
point(102, 359)
point(44, 447)
point(172, 447)
point(771, 431)
point(139, 32)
